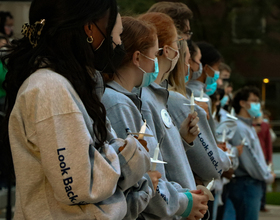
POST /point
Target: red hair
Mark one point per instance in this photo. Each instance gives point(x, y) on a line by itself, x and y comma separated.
point(137, 35)
point(164, 25)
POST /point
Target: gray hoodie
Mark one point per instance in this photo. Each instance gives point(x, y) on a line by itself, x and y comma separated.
point(251, 161)
point(154, 110)
point(212, 160)
point(196, 87)
point(123, 109)
point(59, 172)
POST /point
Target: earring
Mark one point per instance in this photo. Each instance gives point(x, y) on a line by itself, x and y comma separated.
point(90, 39)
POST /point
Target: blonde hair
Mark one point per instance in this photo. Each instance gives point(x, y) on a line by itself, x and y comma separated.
point(176, 77)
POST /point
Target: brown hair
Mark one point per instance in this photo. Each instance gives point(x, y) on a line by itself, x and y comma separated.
point(177, 77)
point(224, 66)
point(137, 35)
point(178, 11)
point(164, 25)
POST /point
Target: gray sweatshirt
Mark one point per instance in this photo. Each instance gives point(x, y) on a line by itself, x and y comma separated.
point(59, 172)
point(196, 87)
point(251, 161)
point(123, 109)
point(212, 160)
point(154, 109)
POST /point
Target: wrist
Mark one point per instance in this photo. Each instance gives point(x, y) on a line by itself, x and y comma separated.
point(188, 210)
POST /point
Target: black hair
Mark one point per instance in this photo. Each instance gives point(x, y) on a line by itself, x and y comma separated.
point(192, 48)
point(209, 54)
point(62, 47)
point(3, 18)
point(243, 94)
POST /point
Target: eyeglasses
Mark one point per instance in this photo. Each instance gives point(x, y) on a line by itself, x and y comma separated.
point(190, 33)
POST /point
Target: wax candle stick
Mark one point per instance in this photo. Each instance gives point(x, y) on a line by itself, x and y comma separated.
point(192, 103)
point(224, 136)
point(209, 186)
point(243, 141)
point(232, 111)
point(142, 130)
point(155, 158)
point(201, 94)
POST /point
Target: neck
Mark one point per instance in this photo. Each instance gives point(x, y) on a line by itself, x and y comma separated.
point(244, 113)
point(164, 66)
point(126, 78)
point(202, 78)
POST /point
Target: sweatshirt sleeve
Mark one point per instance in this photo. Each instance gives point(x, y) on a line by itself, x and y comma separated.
point(77, 172)
point(251, 160)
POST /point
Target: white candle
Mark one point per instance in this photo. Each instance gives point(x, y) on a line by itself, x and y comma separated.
point(201, 94)
point(243, 141)
point(155, 157)
point(192, 103)
point(209, 186)
point(142, 131)
point(224, 136)
point(232, 111)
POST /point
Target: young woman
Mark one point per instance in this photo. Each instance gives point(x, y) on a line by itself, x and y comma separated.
point(138, 69)
point(67, 163)
point(212, 160)
point(154, 109)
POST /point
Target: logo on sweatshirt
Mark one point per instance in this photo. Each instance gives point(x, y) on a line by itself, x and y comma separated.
point(68, 180)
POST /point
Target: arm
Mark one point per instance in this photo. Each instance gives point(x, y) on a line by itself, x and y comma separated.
point(76, 171)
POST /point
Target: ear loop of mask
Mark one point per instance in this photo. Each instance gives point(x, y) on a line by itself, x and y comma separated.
point(103, 36)
point(149, 59)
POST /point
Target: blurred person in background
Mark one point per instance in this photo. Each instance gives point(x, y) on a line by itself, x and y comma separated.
point(6, 24)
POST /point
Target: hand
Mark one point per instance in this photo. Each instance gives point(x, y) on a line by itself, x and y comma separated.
point(143, 142)
point(199, 205)
point(154, 176)
point(228, 174)
point(222, 146)
point(203, 105)
point(240, 149)
point(189, 128)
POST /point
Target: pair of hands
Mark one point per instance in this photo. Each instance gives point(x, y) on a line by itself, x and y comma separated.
point(189, 128)
point(200, 207)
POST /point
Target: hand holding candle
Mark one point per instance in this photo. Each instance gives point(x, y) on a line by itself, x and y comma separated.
point(207, 190)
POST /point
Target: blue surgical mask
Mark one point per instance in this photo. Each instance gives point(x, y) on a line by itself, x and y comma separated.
point(148, 78)
point(197, 74)
point(266, 120)
point(211, 89)
point(187, 76)
point(211, 80)
point(255, 110)
point(224, 100)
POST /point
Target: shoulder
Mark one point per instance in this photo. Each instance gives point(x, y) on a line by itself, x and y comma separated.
point(112, 97)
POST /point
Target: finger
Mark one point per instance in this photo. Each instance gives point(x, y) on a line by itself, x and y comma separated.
point(194, 129)
point(196, 191)
point(194, 122)
point(198, 215)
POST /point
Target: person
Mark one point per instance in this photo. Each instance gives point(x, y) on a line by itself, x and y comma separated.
point(180, 14)
point(6, 24)
point(263, 131)
point(138, 69)
point(68, 162)
point(245, 189)
point(154, 109)
point(205, 74)
point(225, 72)
point(213, 160)
point(266, 118)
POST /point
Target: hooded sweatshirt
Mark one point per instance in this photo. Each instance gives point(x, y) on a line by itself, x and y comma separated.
point(123, 109)
point(59, 172)
point(213, 161)
point(154, 109)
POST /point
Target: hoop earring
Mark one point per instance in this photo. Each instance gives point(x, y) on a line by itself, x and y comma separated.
point(90, 39)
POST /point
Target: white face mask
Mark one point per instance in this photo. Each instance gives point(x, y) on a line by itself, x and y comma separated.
point(174, 60)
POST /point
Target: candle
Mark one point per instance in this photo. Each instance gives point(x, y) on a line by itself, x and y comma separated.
point(243, 141)
point(192, 103)
point(142, 131)
point(201, 94)
point(209, 186)
point(155, 158)
point(232, 111)
point(224, 136)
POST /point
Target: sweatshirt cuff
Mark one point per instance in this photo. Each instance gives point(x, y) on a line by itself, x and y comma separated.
point(188, 210)
point(186, 145)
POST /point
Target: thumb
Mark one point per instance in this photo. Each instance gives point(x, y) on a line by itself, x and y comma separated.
point(196, 191)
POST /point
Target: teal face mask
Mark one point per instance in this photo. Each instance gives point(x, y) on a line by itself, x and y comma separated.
point(187, 76)
point(211, 89)
point(211, 80)
point(255, 110)
point(148, 78)
point(224, 100)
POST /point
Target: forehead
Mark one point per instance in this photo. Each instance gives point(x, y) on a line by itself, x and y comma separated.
point(252, 96)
